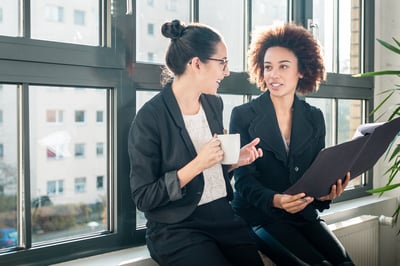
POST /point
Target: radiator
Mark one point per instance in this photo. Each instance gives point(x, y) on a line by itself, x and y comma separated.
point(360, 237)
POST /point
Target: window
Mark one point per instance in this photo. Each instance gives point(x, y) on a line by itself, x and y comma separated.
point(224, 21)
point(79, 17)
point(99, 116)
point(79, 150)
point(9, 17)
point(150, 57)
point(67, 158)
point(150, 29)
point(79, 116)
point(55, 187)
point(99, 149)
point(1, 117)
point(1, 150)
point(156, 15)
point(80, 185)
point(54, 116)
point(73, 22)
point(340, 33)
point(99, 182)
point(54, 13)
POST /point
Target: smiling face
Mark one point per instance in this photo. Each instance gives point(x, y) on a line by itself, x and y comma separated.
point(215, 70)
point(281, 71)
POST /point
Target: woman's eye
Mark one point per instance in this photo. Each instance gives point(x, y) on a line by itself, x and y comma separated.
point(267, 68)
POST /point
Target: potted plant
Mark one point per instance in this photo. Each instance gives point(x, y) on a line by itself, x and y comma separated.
point(393, 153)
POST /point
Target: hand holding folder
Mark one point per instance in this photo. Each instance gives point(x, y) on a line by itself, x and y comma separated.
point(355, 156)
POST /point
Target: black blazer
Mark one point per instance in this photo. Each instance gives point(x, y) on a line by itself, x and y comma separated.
point(158, 146)
point(257, 183)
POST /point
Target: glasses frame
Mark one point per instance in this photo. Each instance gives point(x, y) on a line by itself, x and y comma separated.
point(223, 61)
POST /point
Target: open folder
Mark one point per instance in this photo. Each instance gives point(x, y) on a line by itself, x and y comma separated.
point(355, 156)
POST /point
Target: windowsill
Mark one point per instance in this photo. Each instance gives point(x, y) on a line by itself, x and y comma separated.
point(109, 259)
point(338, 212)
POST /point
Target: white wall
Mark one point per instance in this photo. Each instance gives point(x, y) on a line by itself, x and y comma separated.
point(387, 26)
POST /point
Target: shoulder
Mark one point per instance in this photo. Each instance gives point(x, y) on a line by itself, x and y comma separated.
point(250, 108)
point(312, 112)
point(214, 100)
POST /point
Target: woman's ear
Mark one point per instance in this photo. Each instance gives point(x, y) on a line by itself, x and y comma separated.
point(195, 62)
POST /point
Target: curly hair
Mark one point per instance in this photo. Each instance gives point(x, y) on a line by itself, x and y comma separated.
point(298, 40)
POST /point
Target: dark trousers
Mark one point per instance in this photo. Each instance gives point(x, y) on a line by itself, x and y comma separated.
point(309, 243)
point(211, 236)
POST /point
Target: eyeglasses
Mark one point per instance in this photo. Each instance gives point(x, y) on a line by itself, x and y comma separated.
point(223, 61)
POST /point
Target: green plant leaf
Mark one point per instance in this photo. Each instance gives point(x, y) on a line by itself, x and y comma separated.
point(381, 103)
point(377, 73)
point(389, 46)
point(396, 41)
point(384, 188)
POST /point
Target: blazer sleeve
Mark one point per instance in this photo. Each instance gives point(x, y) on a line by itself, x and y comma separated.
point(149, 187)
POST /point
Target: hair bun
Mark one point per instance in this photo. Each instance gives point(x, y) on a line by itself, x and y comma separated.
point(173, 29)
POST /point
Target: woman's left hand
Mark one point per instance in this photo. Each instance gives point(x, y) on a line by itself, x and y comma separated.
point(337, 189)
point(248, 154)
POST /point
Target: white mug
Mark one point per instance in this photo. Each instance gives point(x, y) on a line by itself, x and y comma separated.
point(230, 144)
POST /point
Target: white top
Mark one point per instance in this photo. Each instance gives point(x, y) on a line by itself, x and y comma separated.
point(200, 133)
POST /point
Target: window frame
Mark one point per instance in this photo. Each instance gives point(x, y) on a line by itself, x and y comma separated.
point(63, 64)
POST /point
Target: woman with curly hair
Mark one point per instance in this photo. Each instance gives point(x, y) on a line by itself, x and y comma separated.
point(177, 178)
point(285, 60)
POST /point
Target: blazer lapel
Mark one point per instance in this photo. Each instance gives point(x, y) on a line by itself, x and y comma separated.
point(265, 126)
point(211, 112)
point(302, 128)
point(175, 112)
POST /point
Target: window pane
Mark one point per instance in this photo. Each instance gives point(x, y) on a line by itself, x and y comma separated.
point(336, 23)
point(100, 149)
point(350, 116)
point(230, 101)
point(151, 45)
point(8, 166)
point(72, 21)
point(225, 17)
point(142, 97)
point(266, 13)
point(99, 116)
point(80, 116)
point(323, 27)
point(349, 37)
point(64, 189)
point(326, 106)
point(9, 17)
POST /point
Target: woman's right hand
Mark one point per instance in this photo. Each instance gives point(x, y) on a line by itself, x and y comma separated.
point(292, 203)
point(210, 153)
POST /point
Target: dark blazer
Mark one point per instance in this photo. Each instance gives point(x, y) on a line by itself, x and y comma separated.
point(256, 184)
point(158, 146)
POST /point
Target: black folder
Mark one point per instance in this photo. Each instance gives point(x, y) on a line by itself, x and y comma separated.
point(355, 156)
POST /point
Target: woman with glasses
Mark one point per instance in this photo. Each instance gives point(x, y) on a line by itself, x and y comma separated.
point(176, 176)
point(285, 60)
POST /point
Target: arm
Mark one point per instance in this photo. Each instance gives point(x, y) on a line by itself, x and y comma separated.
point(149, 187)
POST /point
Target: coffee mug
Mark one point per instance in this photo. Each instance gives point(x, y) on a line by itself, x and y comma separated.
point(230, 144)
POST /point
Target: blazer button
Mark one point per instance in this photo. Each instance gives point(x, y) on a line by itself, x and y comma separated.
point(296, 169)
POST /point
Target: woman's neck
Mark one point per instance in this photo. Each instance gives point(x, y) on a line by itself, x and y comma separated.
point(283, 105)
point(187, 96)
